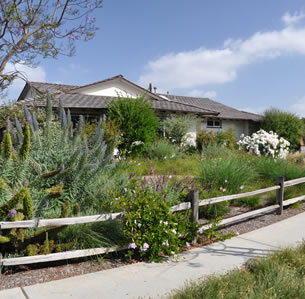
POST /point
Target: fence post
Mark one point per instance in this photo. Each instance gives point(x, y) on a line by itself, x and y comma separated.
point(280, 194)
point(194, 196)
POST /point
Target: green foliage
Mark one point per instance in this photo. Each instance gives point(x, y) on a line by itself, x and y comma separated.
point(150, 228)
point(7, 145)
point(90, 128)
point(225, 139)
point(25, 148)
point(176, 128)
point(54, 169)
point(14, 110)
point(205, 139)
point(65, 210)
point(161, 150)
point(280, 275)
point(271, 169)
point(285, 124)
point(137, 122)
point(227, 175)
point(27, 203)
point(92, 235)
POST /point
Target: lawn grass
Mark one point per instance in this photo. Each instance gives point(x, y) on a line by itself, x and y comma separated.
point(281, 275)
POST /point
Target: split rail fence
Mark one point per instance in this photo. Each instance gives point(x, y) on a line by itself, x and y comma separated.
point(193, 204)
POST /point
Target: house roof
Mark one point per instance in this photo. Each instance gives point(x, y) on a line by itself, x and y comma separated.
point(225, 112)
point(72, 98)
point(77, 100)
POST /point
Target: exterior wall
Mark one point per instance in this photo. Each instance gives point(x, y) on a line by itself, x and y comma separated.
point(112, 89)
point(239, 127)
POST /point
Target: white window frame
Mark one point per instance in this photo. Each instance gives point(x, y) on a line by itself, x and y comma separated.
point(214, 125)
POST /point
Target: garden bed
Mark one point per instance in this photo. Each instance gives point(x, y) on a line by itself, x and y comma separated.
point(29, 275)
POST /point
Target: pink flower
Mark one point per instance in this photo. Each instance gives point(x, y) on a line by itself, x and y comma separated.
point(132, 246)
point(144, 247)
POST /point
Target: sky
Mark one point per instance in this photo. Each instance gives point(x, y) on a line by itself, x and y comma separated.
point(243, 53)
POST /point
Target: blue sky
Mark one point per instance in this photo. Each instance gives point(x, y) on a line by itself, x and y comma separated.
point(243, 53)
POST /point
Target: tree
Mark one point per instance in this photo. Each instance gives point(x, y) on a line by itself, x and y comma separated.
point(285, 124)
point(137, 123)
point(41, 28)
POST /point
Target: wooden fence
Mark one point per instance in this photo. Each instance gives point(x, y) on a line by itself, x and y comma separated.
point(193, 204)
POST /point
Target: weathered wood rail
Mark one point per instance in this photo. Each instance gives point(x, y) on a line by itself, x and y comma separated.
point(193, 204)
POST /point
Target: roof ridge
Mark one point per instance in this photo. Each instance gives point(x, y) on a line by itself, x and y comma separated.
point(51, 83)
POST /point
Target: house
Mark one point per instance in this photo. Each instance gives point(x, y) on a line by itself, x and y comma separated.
point(91, 100)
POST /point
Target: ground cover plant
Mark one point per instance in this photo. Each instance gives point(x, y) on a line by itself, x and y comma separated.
point(280, 275)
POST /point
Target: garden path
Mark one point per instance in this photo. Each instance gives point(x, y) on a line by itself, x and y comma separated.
point(153, 280)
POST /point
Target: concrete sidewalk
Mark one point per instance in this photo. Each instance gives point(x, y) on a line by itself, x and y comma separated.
point(155, 280)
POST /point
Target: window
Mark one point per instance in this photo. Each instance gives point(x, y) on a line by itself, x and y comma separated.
point(214, 123)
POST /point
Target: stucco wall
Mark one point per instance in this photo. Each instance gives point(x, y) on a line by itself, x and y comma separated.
point(239, 127)
point(112, 89)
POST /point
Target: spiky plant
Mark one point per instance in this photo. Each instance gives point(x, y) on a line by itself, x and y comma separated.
point(61, 170)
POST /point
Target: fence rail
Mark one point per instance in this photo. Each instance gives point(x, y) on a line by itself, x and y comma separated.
point(58, 221)
point(194, 205)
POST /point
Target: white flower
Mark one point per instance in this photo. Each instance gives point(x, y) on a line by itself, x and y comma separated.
point(174, 231)
point(187, 244)
point(263, 143)
point(241, 187)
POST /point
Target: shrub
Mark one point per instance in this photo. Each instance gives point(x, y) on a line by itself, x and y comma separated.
point(265, 144)
point(137, 122)
point(225, 139)
point(205, 139)
point(285, 124)
point(227, 175)
point(151, 229)
point(161, 150)
point(176, 128)
point(271, 169)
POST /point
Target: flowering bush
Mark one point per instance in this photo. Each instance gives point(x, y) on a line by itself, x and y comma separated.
point(152, 230)
point(266, 144)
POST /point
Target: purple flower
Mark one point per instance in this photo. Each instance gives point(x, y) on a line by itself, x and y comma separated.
point(144, 247)
point(132, 246)
point(12, 213)
point(200, 231)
